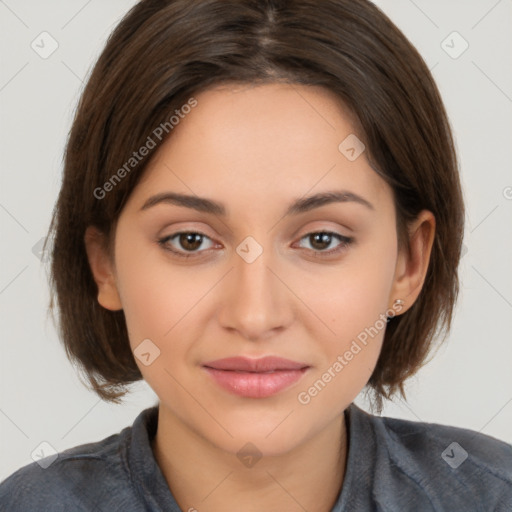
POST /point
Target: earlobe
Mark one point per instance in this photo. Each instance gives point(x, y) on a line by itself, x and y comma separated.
point(102, 269)
point(411, 268)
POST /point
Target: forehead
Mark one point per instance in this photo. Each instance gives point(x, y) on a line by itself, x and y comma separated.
point(274, 117)
point(261, 144)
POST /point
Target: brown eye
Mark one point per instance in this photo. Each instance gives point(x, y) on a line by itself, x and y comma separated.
point(185, 243)
point(190, 241)
point(321, 240)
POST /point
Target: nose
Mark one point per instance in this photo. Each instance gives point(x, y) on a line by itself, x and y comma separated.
point(257, 302)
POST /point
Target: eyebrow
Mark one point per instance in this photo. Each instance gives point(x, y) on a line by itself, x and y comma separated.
point(300, 205)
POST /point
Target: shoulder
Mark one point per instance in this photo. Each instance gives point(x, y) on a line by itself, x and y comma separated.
point(75, 479)
point(449, 465)
point(455, 446)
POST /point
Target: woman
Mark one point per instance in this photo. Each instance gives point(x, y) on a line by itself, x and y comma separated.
point(261, 215)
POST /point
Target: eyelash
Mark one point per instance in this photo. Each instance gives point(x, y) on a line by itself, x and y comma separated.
point(345, 242)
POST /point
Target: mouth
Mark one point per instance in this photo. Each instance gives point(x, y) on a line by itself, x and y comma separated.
point(255, 378)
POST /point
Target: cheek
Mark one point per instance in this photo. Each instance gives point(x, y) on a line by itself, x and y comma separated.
point(158, 301)
point(351, 296)
point(352, 299)
point(355, 303)
point(156, 294)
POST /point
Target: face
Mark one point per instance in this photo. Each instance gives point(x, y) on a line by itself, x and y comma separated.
point(256, 278)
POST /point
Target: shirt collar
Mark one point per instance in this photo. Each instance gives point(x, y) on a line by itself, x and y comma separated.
point(355, 494)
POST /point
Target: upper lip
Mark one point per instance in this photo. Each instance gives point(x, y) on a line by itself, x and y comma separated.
point(263, 364)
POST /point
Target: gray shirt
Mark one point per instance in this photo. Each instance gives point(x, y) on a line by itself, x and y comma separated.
point(393, 465)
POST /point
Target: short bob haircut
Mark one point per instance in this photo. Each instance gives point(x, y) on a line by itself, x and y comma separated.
point(165, 51)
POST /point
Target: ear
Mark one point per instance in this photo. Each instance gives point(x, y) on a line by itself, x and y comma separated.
point(102, 269)
point(411, 267)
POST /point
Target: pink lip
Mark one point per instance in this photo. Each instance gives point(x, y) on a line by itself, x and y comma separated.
point(255, 378)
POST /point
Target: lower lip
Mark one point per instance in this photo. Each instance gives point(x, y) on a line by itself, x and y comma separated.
point(255, 385)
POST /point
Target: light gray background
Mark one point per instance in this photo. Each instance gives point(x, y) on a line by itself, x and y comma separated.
point(467, 384)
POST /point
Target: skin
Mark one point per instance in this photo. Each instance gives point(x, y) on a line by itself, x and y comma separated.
point(256, 149)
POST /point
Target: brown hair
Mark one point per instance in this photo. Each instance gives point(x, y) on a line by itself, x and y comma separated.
point(165, 51)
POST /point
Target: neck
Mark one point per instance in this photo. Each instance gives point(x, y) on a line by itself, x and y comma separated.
point(207, 478)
